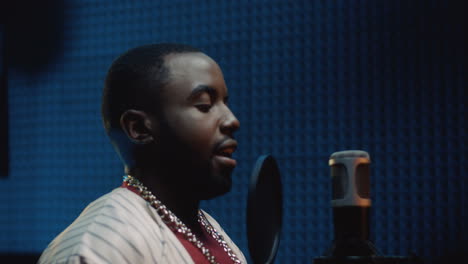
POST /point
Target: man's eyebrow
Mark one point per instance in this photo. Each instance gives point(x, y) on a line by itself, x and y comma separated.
point(211, 91)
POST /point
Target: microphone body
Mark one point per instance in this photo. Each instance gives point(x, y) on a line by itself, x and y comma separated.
point(350, 173)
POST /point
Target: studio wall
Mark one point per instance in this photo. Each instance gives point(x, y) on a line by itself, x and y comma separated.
point(306, 79)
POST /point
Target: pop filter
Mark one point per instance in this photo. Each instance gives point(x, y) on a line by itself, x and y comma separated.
point(264, 210)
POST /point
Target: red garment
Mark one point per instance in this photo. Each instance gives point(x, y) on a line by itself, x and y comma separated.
point(215, 249)
point(209, 242)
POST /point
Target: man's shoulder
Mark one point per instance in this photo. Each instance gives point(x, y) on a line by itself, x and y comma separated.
point(120, 204)
point(119, 201)
point(117, 224)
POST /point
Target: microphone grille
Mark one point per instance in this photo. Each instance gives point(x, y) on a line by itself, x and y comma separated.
point(350, 154)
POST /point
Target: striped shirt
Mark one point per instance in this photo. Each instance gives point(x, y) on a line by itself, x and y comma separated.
point(121, 227)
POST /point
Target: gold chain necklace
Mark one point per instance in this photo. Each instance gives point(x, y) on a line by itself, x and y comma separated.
point(174, 223)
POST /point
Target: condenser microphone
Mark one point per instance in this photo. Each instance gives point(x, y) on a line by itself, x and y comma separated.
point(350, 176)
point(351, 203)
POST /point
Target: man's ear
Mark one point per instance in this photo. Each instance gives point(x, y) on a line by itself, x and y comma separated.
point(137, 125)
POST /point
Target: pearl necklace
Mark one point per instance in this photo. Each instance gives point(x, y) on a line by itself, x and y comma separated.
point(174, 223)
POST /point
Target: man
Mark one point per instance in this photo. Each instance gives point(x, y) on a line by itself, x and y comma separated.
point(165, 111)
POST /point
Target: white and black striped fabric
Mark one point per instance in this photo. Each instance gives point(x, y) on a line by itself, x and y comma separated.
point(121, 227)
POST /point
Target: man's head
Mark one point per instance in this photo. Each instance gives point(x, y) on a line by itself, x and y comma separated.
point(165, 106)
point(135, 80)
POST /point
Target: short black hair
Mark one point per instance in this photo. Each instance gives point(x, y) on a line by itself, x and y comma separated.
point(135, 80)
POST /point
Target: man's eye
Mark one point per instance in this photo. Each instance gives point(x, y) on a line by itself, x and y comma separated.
point(203, 107)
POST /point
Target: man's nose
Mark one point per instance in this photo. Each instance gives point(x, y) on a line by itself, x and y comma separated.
point(230, 122)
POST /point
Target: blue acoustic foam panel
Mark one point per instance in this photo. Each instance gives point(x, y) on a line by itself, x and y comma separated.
point(306, 78)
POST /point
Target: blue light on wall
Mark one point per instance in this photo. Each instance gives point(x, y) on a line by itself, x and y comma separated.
point(306, 78)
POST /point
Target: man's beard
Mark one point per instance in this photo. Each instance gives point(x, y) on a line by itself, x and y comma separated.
point(188, 171)
point(194, 175)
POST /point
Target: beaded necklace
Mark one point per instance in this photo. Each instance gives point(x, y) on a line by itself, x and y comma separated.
point(174, 223)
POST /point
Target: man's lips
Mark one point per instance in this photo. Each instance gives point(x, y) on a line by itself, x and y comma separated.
point(223, 152)
point(226, 148)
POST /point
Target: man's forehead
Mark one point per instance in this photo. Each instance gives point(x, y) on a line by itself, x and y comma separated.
point(194, 67)
point(182, 62)
point(186, 71)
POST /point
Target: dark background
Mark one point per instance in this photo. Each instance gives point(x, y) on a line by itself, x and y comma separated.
point(306, 78)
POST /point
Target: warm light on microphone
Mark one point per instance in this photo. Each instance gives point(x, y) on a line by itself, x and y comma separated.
point(350, 172)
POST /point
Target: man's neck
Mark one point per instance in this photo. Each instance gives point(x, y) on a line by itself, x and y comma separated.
point(178, 198)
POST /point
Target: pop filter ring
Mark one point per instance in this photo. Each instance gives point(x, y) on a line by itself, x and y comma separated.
point(264, 210)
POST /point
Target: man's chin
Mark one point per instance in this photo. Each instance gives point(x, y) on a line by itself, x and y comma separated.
point(213, 194)
point(216, 187)
point(204, 182)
